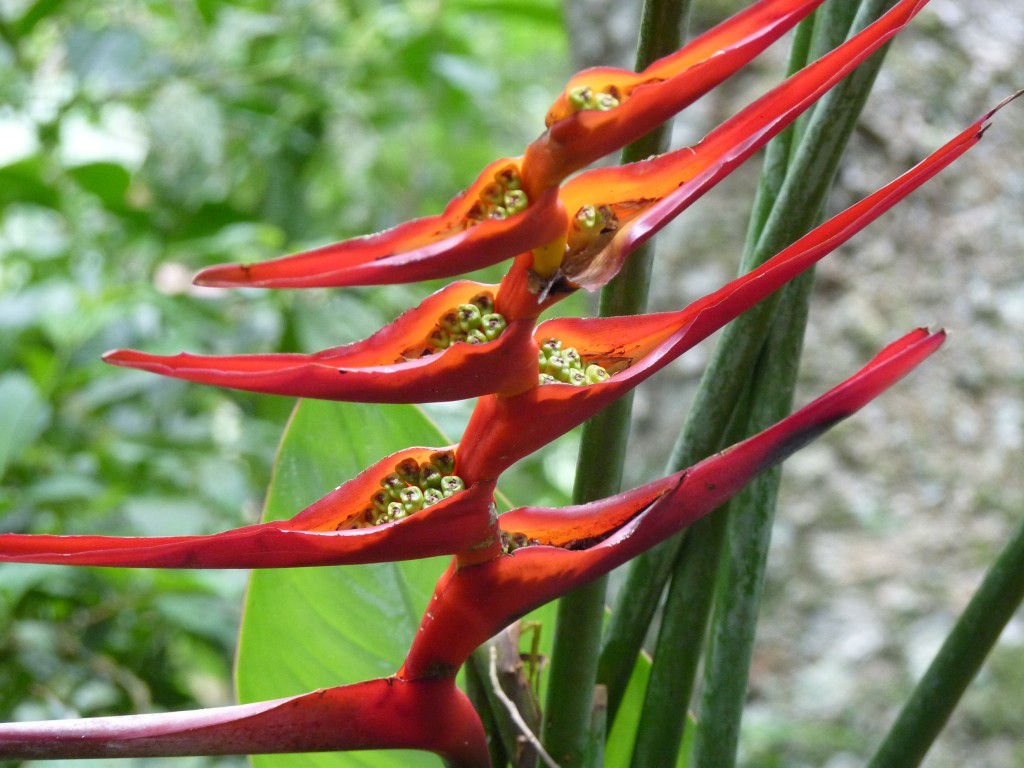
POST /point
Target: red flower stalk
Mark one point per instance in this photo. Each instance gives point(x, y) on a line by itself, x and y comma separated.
point(569, 547)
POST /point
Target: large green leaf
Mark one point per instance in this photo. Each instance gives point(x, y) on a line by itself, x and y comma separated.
point(308, 628)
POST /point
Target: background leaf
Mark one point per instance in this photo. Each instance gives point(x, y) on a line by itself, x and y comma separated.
point(309, 628)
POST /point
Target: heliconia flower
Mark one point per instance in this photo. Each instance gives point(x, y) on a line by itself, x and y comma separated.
point(553, 552)
point(615, 210)
point(466, 237)
point(389, 713)
point(348, 526)
point(503, 430)
point(423, 356)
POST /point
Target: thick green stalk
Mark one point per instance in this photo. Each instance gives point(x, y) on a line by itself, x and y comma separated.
point(958, 661)
point(795, 211)
point(568, 734)
point(648, 574)
point(749, 519)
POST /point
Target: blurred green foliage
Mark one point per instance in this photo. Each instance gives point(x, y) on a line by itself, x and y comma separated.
point(139, 141)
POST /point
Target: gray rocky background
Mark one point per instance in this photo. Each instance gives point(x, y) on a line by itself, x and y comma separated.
point(886, 526)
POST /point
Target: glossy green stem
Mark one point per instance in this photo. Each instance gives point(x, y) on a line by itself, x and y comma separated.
point(808, 173)
point(958, 661)
point(822, 140)
point(648, 574)
point(568, 734)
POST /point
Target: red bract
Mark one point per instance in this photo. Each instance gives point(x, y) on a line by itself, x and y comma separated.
point(391, 713)
point(398, 364)
point(331, 531)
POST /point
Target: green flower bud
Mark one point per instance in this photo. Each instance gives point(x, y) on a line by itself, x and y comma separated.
point(572, 357)
point(498, 212)
point(380, 501)
point(395, 511)
point(450, 321)
point(576, 377)
point(451, 485)
point(587, 218)
point(429, 477)
point(556, 367)
point(493, 325)
point(431, 496)
point(493, 194)
point(469, 317)
point(595, 374)
point(551, 347)
point(412, 499)
point(547, 378)
point(483, 301)
point(509, 178)
point(605, 101)
point(443, 461)
point(476, 336)
point(515, 201)
point(439, 338)
point(393, 484)
point(408, 470)
point(581, 97)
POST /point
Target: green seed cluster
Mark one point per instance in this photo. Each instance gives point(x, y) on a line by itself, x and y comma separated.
point(410, 488)
point(473, 323)
point(584, 97)
point(502, 198)
point(565, 366)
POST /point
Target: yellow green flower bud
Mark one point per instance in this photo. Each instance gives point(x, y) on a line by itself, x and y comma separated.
point(509, 178)
point(546, 378)
point(551, 347)
point(484, 301)
point(595, 374)
point(431, 496)
point(393, 484)
point(412, 499)
point(408, 470)
point(429, 477)
point(469, 317)
point(493, 325)
point(439, 338)
point(443, 461)
point(451, 485)
point(395, 511)
point(380, 501)
point(515, 201)
point(576, 377)
point(581, 97)
point(450, 321)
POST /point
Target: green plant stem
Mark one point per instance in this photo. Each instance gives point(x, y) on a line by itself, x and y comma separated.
point(799, 199)
point(648, 574)
point(568, 732)
point(748, 527)
point(958, 661)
